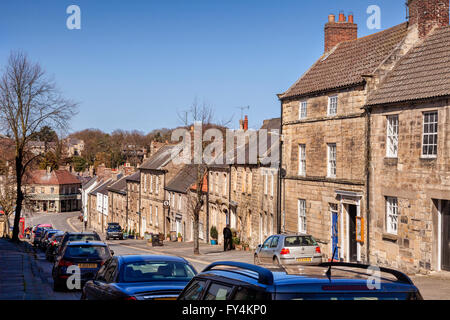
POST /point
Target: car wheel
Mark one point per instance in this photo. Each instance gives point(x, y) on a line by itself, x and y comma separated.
point(256, 259)
point(276, 261)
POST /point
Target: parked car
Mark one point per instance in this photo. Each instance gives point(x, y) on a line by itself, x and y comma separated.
point(140, 277)
point(45, 238)
point(88, 255)
point(114, 231)
point(53, 245)
point(38, 233)
point(77, 236)
point(326, 281)
point(284, 249)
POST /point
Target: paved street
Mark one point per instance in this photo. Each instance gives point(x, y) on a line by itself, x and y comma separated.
point(25, 273)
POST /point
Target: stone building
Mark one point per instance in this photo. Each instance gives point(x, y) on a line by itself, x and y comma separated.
point(98, 205)
point(117, 202)
point(219, 212)
point(180, 203)
point(361, 100)
point(53, 191)
point(133, 202)
point(410, 151)
point(155, 172)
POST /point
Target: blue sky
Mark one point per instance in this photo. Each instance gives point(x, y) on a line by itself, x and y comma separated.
point(135, 63)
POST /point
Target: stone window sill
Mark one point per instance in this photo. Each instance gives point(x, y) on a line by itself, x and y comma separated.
point(390, 237)
point(390, 161)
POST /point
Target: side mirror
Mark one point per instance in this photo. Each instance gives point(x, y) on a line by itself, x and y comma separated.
point(259, 246)
point(112, 252)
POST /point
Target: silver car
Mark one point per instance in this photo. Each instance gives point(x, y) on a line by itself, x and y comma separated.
point(284, 249)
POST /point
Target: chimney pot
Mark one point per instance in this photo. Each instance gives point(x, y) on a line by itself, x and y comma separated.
point(342, 17)
point(350, 18)
point(331, 18)
point(246, 123)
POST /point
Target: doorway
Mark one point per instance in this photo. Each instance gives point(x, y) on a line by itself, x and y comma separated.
point(353, 247)
point(334, 233)
point(445, 241)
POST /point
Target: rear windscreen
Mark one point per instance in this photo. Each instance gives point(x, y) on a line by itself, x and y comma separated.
point(85, 251)
point(83, 237)
point(299, 241)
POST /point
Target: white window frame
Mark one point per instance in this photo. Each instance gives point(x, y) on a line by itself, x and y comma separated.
point(179, 202)
point(301, 215)
point(151, 215)
point(302, 160)
point(151, 183)
point(157, 185)
point(392, 128)
point(145, 182)
point(332, 160)
point(332, 105)
point(156, 216)
point(303, 110)
point(392, 215)
point(225, 184)
point(428, 126)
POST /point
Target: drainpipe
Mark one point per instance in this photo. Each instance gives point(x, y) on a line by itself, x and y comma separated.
point(207, 205)
point(279, 191)
point(229, 196)
point(367, 169)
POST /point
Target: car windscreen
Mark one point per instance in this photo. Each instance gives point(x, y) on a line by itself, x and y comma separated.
point(299, 241)
point(114, 228)
point(143, 271)
point(87, 251)
point(83, 237)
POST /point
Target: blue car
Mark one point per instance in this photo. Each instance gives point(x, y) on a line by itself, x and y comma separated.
point(140, 277)
point(89, 256)
point(325, 281)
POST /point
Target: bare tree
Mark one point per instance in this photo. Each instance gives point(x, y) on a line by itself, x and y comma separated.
point(28, 101)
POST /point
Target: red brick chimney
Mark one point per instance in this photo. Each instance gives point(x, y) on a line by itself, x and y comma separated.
point(246, 123)
point(428, 14)
point(340, 31)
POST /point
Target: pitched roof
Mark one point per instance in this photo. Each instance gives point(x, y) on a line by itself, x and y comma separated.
point(102, 187)
point(120, 186)
point(90, 182)
point(345, 64)
point(55, 177)
point(424, 72)
point(183, 180)
point(135, 177)
point(160, 158)
point(272, 124)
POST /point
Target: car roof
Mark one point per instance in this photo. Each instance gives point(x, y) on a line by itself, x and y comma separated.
point(88, 242)
point(292, 277)
point(80, 233)
point(155, 258)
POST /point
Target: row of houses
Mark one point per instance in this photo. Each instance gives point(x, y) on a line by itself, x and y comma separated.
point(365, 156)
point(159, 197)
point(366, 143)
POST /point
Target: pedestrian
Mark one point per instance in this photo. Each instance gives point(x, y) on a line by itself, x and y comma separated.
point(227, 237)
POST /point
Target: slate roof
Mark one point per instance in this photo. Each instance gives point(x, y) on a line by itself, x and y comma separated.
point(183, 180)
point(135, 177)
point(160, 158)
point(89, 182)
point(345, 64)
point(120, 186)
point(424, 72)
point(102, 187)
point(55, 177)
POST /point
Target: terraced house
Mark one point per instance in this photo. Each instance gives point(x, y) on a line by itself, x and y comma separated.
point(366, 143)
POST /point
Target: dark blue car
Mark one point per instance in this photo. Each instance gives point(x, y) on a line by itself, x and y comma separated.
point(88, 256)
point(140, 277)
point(325, 281)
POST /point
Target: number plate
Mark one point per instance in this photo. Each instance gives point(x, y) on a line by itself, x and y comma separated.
point(87, 265)
point(303, 259)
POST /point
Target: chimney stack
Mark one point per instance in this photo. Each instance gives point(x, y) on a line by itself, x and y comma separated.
point(337, 32)
point(428, 14)
point(246, 123)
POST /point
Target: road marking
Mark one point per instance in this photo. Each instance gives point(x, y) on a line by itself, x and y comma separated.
point(147, 250)
point(70, 225)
